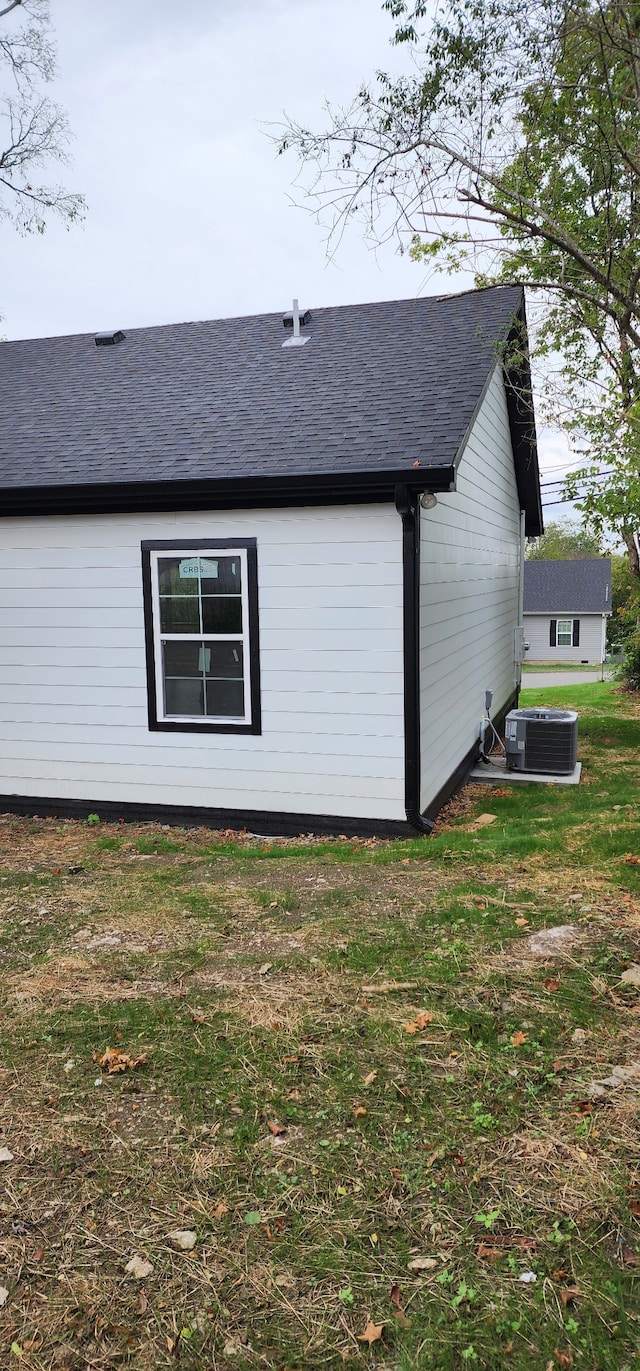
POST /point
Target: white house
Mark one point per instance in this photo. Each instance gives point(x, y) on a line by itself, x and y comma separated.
point(566, 606)
point(227, 595)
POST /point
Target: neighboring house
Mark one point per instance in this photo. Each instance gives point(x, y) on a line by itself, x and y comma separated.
point(566, 604)
point(222, 600)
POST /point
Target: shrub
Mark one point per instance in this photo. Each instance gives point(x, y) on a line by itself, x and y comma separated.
point(631, 667)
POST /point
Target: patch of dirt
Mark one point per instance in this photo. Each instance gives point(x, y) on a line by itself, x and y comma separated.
point(530, 1164)
point(76, 978)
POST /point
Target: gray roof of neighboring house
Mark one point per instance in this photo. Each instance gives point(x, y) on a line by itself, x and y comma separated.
point(390, 387)
point(581, 586)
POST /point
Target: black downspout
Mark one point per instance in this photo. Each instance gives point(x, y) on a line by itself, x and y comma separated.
point(407, 507)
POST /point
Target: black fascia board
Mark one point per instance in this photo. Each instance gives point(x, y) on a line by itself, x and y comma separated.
point(128, 497)
point(522, 423)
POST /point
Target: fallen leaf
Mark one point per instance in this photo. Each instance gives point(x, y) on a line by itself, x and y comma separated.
point(276, 1128)
point(563, 1358)
point(138, 1267)
point(631, 860)
point(16, 1349)
point(630, 1257)
point(142, 1302)
point(373, 1239)
point(113, 1060)
point(550, 983)
point(423, 1017)
point(38, 1254)
point(518, 1038)
point(220, 1209)
point(183, 1239)
point(372, 1332)
point(422, 1264)
point(5, 1155)
point(487, 1253)
point(569, 1294)
point(266, 966)
point(197, 1016)
point(4, 1295)
point(395, 1295)
point(368, 1080)
point(522, 922)
point(359, 1111)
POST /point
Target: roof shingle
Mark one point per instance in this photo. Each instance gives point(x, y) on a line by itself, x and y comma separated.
point(579, 586)
point(378, 387)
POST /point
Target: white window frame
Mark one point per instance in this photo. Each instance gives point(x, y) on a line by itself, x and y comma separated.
point(566, 627)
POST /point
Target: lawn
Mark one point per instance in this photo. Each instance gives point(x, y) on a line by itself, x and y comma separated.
point(370, 1105)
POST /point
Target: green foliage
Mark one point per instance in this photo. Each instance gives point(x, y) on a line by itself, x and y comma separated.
point(631, 667)
point(625, 602)
point(562, 541)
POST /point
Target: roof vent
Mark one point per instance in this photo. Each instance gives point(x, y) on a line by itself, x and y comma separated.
point(109, 338)
point(294, 320)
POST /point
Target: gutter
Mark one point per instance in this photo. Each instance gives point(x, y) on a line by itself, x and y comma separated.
point(406, 502)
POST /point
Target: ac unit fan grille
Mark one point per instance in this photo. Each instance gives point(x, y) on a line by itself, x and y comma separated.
point(550, 747)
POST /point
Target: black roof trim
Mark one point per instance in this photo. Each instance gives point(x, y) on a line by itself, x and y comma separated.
point(249, 493)
point(522, 423)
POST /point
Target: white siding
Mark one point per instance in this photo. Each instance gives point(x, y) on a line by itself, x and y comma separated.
point(592, 638)
point(73, 693)
point(470, 557)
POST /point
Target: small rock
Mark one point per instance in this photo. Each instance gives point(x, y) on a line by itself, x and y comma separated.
point(579, 1036)
point(632, 975)
point(550, 941)
point(4, 1295)
point(595, 1091)
point(183, 1239)
point(527, 1277)
point(139, 1267)
point(5, 1155)
point(68, 1066)
point(422, 1264)
point(622, 1075)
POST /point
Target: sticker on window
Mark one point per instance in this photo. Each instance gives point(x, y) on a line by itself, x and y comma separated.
point(198, 566)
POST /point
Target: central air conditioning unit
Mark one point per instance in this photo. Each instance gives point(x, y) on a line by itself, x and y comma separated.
point(539, 739)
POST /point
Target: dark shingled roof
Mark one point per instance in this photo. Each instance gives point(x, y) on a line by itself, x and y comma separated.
point(568, 587)
point(379, 388)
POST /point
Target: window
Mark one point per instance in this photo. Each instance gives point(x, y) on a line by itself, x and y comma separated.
point(564, 635)
point(201, 616)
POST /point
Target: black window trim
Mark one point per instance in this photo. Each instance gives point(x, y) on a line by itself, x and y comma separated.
point(212, 544)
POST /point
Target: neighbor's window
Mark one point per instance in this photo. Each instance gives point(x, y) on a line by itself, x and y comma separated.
point(564, 636)
point(202, 651)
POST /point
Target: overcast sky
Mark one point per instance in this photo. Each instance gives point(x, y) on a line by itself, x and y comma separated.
point(189, 209)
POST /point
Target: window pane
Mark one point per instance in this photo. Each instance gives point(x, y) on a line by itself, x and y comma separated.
point(224, 661)
point(179, 615)
point(228, 580)
point(183, 659)
point(565, 633)
point(221, 614)
point(184, 696)
point(171, 581)
point(225, 699)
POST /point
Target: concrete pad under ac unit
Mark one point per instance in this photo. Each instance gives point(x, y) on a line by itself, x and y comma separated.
point(496, 773)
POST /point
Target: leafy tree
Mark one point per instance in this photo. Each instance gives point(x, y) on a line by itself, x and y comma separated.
point(564, 541)
point(512, 149)
point(622, 624)
point(34, 132)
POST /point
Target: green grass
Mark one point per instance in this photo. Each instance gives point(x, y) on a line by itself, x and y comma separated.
point(449, 1119)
